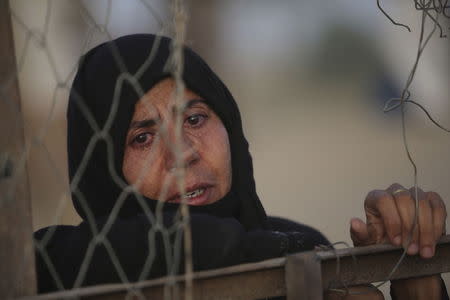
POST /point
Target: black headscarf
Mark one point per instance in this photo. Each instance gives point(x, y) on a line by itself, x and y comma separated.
point(111, 78)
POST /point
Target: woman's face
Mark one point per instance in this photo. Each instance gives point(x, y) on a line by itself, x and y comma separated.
point(149, 160)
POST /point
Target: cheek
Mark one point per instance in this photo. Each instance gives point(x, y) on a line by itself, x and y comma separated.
point(129, 168)
point(136, 170)
point(226, 153)
point(220, 157)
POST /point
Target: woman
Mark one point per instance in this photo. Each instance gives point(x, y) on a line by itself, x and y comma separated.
point(122, 167)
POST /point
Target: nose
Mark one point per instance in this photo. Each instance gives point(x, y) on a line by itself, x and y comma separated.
point(183, 147)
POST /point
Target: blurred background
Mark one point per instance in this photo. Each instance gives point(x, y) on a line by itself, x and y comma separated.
point(310, 78)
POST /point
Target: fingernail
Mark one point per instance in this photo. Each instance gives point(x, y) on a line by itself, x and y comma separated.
point(413, 249)
point(426, 252)
point(397, 240)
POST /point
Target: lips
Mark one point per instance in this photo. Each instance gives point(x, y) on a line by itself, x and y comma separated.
point(197, 194)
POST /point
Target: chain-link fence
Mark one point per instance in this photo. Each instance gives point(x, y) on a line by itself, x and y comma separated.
point(41, 39)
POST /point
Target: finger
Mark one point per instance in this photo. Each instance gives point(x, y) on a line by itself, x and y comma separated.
point(439, 213)
point(380, 207)
point(395, 188)
point(359, 233)
point(406, 209)
point(427, 240)
point(406, 206)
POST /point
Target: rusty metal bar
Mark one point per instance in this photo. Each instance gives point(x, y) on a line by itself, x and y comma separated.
point(361, 265)
point(247, 281)
point(374, 263)
point(17, 275)
point(282, 276)
point(304, 277)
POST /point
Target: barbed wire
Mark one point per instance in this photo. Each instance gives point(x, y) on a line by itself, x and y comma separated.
point(425, 6)
point(438, 6)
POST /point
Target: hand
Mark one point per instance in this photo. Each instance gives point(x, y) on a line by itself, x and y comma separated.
point(390, 218)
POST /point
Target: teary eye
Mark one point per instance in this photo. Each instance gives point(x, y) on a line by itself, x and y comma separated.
point(142, 139)
point(196, 120)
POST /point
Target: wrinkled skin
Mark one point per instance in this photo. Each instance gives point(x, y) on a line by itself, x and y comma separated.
point(149, 159)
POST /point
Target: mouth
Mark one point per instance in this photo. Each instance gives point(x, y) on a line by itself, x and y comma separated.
point(196, 195)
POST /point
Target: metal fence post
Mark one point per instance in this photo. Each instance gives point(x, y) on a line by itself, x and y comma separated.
point(304, 277)
point(17, 273)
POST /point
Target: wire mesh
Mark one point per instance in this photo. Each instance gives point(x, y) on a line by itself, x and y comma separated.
point(426, 8)
point(172, 249)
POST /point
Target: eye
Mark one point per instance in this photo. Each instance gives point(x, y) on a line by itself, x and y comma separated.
point(142, 139)
point(196, 120)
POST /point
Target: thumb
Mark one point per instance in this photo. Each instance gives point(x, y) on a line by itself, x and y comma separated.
point(358, 232)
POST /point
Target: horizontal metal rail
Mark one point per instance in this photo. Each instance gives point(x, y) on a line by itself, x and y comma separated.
point(300, 276)
point(308, 275)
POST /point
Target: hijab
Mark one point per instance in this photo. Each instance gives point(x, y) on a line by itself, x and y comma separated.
point(111, 78)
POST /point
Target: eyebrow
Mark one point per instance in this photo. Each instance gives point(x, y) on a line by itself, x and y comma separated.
point(142, 123)
point(152, 122)
point(189, 104)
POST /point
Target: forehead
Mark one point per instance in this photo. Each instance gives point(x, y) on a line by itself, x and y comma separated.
point(160, 98)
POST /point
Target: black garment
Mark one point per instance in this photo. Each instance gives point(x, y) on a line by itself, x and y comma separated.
point(217, 242)
point(96, 105)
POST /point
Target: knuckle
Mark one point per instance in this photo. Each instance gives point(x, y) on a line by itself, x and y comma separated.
point(393, 226)
point(406, 228)
point(426, 232)
point(427, 238)
point(393, 223)
point(413, 188)
point(436, 201)
point(373, 194)
point(395, 186)
point(410, 225)
point(424, 203)
point(420, 193)
point(372, 197)
point(433, 195)
point(383, 199)
point(404, 198)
